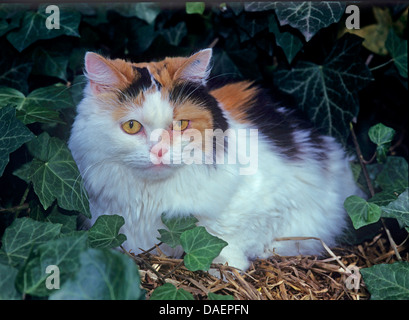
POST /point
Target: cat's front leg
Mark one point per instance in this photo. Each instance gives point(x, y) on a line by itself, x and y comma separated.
point(234, 256)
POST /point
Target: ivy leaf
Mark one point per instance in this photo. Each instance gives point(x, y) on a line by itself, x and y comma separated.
point(382, 136)
point(22, 235)
point(259, 6)
point(384, 197)
point(398, 209)
point(251, 25)
point(223, 64)
point(12, 135)
point(290, 43)
point(394, 174)
point(140, 36)
point(195, 7)
point(169, 292)
point(176, 226)
point(309, 17)
point(175, 35)
point(104, 274)
point(146, 11)
point(201, 248)
point(398, 49)
point(215, 296)
point(8, 276)
point(388, 281)
point(14, 71)
point(361, 212)
point(41, 105)
point(33, 27)
point(63, 253)
point(328, 93)
point(104, 232)
point(55, 175)
point(49, 63)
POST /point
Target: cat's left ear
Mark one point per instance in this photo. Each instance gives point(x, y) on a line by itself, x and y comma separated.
point(196, 68)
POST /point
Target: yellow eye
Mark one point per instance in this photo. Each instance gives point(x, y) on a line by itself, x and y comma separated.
point(131, 127)
point(180, 125)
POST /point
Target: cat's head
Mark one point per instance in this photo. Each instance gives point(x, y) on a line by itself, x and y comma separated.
point(153, 116)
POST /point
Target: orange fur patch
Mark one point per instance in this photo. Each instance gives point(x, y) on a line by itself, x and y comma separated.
point(236, 98)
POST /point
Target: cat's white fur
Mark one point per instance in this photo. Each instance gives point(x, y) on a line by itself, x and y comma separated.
point(281, 199)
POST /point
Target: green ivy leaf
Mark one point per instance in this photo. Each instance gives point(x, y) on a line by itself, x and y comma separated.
point(201, 248)
point(41, 105)
point(104, 274)
point(259, 6)
point(394, 174)
point(8, 289)
point(12, 135)
point(22, 235)
point(290, 43)
point(251, 25)
point(398, 49)
point(146, 11)
point(63, 253)
point(55, 175)
point(175, 35)
point(33, 27)
point(140, 36)
point(195, 7)
point(384, 197)
point(309, 17)
point(223, 64)
point(382, 136)
point(398, 209)
point(104, 232)
point(328, 93)
point(14, 70)
point(361, 212)
point(214, 296)
point(50, 63)
point(176, 226)
point(388, 281)
point(169, 292)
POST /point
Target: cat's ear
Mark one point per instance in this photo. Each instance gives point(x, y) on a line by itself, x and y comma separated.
point(102, 73)
point(196, 68)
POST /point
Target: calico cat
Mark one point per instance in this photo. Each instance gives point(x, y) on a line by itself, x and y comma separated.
point(158, 137)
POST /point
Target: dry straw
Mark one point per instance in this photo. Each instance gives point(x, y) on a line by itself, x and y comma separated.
point(330, 277)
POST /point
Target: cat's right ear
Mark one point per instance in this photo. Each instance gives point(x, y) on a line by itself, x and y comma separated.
point(101, 73)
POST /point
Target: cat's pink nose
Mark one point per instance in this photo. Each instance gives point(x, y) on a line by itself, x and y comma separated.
point(162, 152)
point(159, 152)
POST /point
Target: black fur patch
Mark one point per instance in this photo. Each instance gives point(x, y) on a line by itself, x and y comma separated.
point(199, 94)
point(141, 83)
point(280, 126)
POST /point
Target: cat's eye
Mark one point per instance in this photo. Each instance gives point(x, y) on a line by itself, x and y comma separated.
point(180, 125)
point(131, 127)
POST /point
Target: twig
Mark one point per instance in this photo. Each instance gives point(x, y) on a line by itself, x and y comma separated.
point(173, 270)
point(361, 160)
point(332, 254)
point(214, 42)
point(16, 208)
point(371, 189)
point(140, 260)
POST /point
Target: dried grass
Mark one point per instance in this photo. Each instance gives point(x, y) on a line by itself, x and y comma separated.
point(277, 278)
